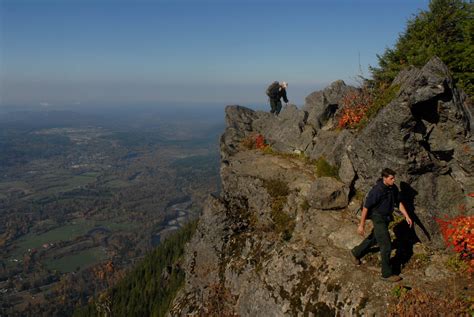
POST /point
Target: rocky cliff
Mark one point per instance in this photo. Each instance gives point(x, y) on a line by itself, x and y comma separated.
point(276, 241)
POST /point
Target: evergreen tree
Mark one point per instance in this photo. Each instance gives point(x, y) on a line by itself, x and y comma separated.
point(446, 30)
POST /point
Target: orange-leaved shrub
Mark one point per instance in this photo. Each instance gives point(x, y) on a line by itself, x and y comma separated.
point(361, 105)
point(458, 233)
point(254, 141)
point(355, 105)
point(260, 142)
point(419, 302)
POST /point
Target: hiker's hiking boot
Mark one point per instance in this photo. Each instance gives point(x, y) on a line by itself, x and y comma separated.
point(391, 278)
point(355, 260)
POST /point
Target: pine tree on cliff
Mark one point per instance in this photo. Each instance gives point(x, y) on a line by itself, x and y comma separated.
point(446, 30)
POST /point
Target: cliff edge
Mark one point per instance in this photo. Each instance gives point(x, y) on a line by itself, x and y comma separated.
point(276, 241)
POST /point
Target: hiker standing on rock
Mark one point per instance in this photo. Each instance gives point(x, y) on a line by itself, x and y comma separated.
point(275, 92)
point(378, 206)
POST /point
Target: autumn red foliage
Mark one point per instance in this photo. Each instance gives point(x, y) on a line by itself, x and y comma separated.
point(459, 234)
point(355, 105)
point(260, 142)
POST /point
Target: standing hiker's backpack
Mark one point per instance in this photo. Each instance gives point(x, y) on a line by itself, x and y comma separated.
point(272, 90)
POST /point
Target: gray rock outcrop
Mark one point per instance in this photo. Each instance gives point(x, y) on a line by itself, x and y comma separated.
point(423, 134)
point(276, 241)
point(239, 125)
point(287, 132)
point(322, 106)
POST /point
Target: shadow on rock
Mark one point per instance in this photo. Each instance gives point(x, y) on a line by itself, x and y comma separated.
point(407, 197)
point(405, 237)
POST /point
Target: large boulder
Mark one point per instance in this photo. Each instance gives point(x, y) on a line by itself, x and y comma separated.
point(286, 132)
point(328, 193)
point(346, 171)
point(322, 106)
point(239, 124)
point(331, 145)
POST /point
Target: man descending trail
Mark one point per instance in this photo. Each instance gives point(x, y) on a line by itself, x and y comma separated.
point(378, 206)
point(275, 92)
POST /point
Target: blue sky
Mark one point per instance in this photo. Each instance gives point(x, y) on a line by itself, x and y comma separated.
point(75, 52)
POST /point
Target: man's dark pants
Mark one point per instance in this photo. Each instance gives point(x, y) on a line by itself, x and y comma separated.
point(380, 236)
point(275, 105)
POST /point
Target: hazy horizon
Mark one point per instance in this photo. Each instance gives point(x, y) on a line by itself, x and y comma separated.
point(129, 102)
point(221, 52)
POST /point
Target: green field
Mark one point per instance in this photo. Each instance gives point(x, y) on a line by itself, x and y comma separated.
point(61, 183)
point(118, 226)
point(67, 232)
point(64, 233)
point(90, 174)
point(80, 260)
point(71, 183)
point(4, 186)
point(117, 183)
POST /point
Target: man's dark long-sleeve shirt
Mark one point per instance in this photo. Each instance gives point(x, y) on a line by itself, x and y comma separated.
point(382, 199)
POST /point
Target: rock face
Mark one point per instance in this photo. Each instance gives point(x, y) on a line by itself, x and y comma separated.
point(423, 134)
point(276, 241)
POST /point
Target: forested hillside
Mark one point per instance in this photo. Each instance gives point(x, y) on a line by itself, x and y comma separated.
point(151, 286)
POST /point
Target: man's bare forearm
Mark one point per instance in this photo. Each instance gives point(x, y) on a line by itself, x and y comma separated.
point(361, 227)
point(363, 216)
point(405, 214)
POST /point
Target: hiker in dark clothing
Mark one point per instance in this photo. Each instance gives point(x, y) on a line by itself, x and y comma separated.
point(275, 94)
point(378, 206)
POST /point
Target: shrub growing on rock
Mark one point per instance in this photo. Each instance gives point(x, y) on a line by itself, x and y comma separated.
point(360, 106)
point(260, 142)
point(355, 105)
point(283, 223)
point(323, 168)
point(416, 302)
point(459, 234)
point(254, 141)
point(276, 188)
